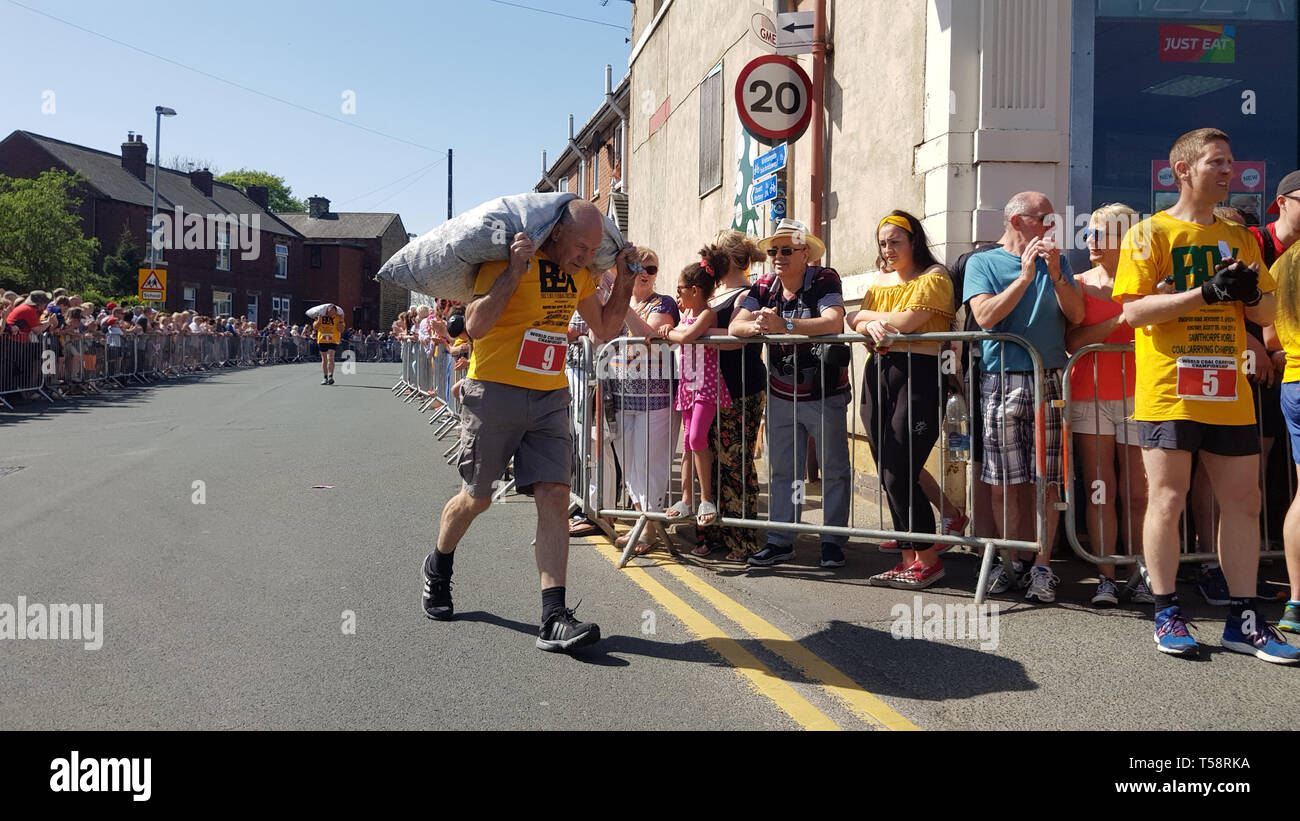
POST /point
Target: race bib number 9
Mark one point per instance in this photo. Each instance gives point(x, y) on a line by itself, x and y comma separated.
point(542, 352)
point(1207, 378)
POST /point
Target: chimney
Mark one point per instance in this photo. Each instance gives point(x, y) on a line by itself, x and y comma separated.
point(202, 180)
point(318, 207)
point(258, 194)
point(135, 154)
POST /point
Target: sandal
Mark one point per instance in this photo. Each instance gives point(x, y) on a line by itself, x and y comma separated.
point(583, 527)
point(642, 548)
point(702, 550)
point(683, 509)
point(706, 509)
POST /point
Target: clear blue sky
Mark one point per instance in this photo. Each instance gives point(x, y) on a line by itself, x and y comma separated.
point(494, 82)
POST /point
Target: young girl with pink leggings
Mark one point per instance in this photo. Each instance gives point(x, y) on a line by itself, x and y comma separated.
point(700, 391)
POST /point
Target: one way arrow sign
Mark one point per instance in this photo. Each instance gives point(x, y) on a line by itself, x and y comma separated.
point(794, 33)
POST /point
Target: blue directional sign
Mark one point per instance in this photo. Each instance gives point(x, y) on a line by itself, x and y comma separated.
point(778, 208)
point(770, 161)
point(763, 190)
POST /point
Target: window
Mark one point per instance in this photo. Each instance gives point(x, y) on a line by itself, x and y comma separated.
point(220, 303)
point(711, 131)
point(189, 297)
point(252, 307)
point(280, 307)
point(315, 256)
point(564, 184)
point(223, 251)
point(281, 261)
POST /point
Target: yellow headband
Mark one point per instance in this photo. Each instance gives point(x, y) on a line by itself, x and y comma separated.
point(894, 219)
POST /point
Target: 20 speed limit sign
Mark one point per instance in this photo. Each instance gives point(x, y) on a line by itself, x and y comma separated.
point(773, 96)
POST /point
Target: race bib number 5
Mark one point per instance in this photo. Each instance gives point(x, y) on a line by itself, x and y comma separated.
point(542, 352)
point(1207, 378)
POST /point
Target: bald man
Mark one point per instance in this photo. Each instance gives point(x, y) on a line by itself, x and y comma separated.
point(515, 403)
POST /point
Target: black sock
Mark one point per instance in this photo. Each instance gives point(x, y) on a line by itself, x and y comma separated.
point(1237, 609)
point(441, 565)
point(552, 602)
point(1164, 602)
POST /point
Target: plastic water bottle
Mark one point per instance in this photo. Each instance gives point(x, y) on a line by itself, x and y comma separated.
point(956, 426)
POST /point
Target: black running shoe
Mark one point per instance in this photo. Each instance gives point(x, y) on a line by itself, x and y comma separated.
point(563, 632)
point(331, 380)
point(437, 596)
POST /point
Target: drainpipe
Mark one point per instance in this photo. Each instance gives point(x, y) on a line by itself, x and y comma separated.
point(622, 115)
point(582, 157)
point(818, 128)
point(546, 172)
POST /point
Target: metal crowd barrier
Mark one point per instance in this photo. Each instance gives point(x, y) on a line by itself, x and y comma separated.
point(56, 366)
point(1123, 494)
point(596, 505)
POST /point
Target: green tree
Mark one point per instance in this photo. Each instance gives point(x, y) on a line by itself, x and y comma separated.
point(121, 268)
point(279, 194)
point(41, 242)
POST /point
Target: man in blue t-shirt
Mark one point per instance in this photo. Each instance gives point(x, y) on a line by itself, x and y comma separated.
point(1023, 287)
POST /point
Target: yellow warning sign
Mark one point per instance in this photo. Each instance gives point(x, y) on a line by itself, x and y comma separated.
point(153, 284)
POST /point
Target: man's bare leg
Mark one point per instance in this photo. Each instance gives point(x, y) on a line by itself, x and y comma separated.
point(1168, 474)
point(457, 515)
point(1236, 488)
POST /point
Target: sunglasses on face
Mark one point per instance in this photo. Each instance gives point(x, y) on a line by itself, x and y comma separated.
point(651, 269)
point(784, 250)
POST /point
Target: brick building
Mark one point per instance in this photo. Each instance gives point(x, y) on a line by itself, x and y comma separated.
point(228, 253)
point(343, 251)
point(593, 165)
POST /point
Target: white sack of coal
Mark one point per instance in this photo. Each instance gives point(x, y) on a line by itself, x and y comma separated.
point(444, 262)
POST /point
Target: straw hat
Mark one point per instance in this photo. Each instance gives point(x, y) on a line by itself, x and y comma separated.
point(796, 231)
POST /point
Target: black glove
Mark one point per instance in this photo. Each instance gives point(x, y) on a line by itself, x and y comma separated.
point(1235, 282)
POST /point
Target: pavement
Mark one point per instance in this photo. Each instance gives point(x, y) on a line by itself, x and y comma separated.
point(238, 595)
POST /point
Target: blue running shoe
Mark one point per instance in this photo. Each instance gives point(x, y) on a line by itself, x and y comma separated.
point(771, 554)
point(1265, 643)
point(1290, 618)
point(1213, 587)
point(1171, 634)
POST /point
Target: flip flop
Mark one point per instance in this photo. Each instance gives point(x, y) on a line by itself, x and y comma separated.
point(583, 527)
point(642, 548)
point(701, 551)
point(706, 509)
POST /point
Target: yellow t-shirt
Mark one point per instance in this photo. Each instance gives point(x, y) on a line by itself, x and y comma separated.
point(527, 346)
point(1286, 271)
point(1189, 367)
point(328, 329)
point(931, 292)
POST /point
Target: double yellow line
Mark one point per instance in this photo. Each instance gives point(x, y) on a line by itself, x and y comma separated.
point(760, 677)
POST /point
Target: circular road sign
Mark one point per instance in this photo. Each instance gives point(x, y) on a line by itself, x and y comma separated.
point(774, 96)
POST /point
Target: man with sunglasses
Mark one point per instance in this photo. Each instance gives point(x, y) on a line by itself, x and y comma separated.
point(1024, 287)
point(809, 388)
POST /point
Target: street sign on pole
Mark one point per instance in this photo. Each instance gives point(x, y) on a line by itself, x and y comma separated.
point(153, 284)
point(763, 190)
point(778, 209)
point(774, 97)
point(770, 162)
point(794, 32)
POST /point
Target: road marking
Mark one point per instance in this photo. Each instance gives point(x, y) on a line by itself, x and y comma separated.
point(861, 703)
point(759, 676)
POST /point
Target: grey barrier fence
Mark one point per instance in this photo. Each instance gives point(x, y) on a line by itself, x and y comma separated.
point(622, 383)
point(63, 365)
point(1108, 476)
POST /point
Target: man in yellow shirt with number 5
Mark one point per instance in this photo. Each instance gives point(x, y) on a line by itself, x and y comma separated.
point(1188, 281)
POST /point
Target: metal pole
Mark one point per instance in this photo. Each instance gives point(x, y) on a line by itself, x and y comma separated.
point(818, 130)
point(449, 214)
point(157, 156)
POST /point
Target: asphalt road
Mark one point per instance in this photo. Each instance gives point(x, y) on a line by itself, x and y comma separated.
point(228, 584)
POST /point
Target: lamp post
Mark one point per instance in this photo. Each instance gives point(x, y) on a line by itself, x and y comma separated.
point(159, 112)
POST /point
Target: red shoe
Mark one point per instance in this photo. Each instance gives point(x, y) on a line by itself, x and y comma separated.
point(917, 577)
point(884, 579)
point(890, 546)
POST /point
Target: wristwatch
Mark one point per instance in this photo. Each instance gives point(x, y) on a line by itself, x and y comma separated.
point(789, 324)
